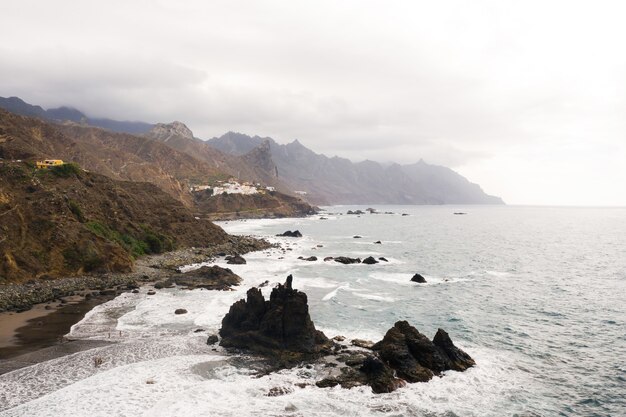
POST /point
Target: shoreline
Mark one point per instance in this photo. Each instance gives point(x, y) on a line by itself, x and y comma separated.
point(56, 305)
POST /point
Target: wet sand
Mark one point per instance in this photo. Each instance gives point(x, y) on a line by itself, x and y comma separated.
point(38, 328)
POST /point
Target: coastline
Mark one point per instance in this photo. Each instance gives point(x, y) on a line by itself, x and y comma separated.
point(27, 308)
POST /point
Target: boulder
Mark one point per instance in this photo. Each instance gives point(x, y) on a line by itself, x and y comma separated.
point(235, 260)
point(280, 327)
point(347, 260)
point(289, 233)
point(370, 260)
point(418, 278)
point(378, 242)
point(383, 259)
point(357, 237)
point(180, 311)
point(311, 258)
point(328, 258)
point(211, 340)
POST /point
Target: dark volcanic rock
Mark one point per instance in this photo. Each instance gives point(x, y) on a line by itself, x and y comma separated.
point(415, 358)
point(370, 260)
point(328, 258)
point(458, 359)
point(289, 233)
point(235, 260)
point(311, 258)
point(211, 340)
point(378, 242)
point(383, 259)
point(208, 277)
point(279, 328)
point(357, 237)
point(418, 278)
point(380, 376)
point(180, 311)
point(347, 260)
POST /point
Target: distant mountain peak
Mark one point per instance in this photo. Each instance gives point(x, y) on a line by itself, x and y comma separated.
point(165, 131)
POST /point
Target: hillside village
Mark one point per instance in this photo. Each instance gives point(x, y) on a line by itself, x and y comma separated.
point(233, 186)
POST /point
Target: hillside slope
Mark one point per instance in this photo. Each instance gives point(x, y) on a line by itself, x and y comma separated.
point(65, 221)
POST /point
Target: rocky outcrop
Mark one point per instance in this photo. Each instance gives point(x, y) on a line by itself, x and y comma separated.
point(346, 260)
point(370, 260)
point(419, 279)
point(417, 359)
point(235, 260)
point(207, 277)
point(279, 327)
point(281, 330)
point(289, 233)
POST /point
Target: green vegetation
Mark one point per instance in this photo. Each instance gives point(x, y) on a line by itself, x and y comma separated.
point(147, 242)
point(66, 170)
point(85, 257)
point(76, 210)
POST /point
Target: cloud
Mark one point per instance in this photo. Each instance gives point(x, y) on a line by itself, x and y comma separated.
point(477, 86)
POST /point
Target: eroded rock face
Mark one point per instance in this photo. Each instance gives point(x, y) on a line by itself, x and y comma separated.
point(275, 327)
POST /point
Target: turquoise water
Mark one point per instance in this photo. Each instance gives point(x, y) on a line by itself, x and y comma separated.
point(535, 295)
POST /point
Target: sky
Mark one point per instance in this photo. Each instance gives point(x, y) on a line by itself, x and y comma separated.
point(525, 98)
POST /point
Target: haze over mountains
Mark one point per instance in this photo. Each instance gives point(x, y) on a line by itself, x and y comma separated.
point(170, 155)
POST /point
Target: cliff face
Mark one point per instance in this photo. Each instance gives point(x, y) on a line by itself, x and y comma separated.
point(256, 165)
point(340, 181)
point(268, 205)
point(66, 221)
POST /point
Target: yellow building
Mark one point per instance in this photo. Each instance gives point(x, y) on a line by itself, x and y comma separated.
point(49, 163)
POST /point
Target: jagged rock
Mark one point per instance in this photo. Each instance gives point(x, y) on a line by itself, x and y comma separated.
point(370, 260)
point(378, 242)
point(235, 260)
point(211, 340)
point(347, 260)
point(339, 338)
point(418, 278)
point(458, 359)
point(289, 233)
point(415, 358)
point(180, 311)
point(280, 327)
point(383, 259)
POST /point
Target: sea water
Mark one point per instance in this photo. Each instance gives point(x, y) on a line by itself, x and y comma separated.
point(537, 296)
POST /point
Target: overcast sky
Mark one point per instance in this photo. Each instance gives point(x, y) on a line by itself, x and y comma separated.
point(526, 98)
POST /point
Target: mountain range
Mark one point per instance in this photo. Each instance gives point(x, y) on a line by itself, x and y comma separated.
point(170, 156)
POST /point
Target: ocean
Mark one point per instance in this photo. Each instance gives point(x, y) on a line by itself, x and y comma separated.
point(536, 295)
